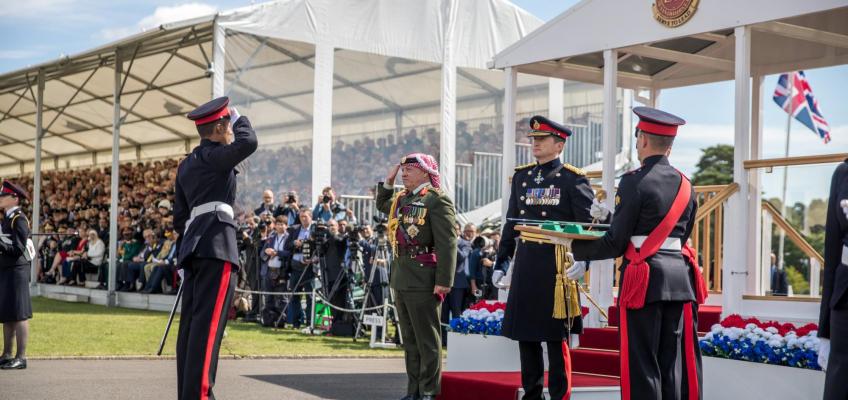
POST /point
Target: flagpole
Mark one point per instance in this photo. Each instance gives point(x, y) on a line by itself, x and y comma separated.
point(789, 111)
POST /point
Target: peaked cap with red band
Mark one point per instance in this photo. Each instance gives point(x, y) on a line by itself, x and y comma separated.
point(541, 127)
point(657, 122)
point(11, 189)
point(426, 163)
point(210, 112)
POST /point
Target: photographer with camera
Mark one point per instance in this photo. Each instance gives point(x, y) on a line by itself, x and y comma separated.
point(333, 269)
point(301, 246)
point(455, 301)
point(327, 207)
point(289, 208)
point(275, 262)
point(267, 205)
point(481, 261)
point(251, 247)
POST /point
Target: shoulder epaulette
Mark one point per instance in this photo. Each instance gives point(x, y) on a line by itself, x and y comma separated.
point(574, 169)
point(524, 166)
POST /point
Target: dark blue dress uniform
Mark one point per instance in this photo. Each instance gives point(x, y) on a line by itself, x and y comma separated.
point(833, 319)
point(15, 303)
point(654, 334)
point(549, 191)
point(205, 192)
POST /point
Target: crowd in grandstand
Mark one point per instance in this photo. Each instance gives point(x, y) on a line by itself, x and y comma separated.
point(75, 203)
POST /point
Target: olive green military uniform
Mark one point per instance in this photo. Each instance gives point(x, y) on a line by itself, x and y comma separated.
point(425, 256)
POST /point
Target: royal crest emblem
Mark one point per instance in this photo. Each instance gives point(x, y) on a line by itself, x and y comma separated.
point(673, 13)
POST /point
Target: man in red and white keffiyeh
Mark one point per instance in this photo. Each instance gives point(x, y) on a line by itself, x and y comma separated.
point(425, 163)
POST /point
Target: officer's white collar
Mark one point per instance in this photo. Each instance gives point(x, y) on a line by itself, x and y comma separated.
point(11, 210)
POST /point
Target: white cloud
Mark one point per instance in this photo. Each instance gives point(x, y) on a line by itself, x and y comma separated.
point(162, 15)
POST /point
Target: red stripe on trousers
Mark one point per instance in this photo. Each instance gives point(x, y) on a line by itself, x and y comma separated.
point(213, 328)
point(624, 354)
point(566, 355)
point(689, 344)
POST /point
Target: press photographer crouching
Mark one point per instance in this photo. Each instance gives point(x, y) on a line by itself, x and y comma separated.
point(301, 246)
point(482, 262)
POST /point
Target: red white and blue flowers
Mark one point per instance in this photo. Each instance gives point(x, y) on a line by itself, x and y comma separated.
point(483, 318)
point(770, 342)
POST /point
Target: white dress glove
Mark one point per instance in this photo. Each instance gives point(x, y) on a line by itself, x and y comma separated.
point(181, 273)
point(824, 352)
point(844, 205)
point(598, 210)
point(496, 278)
point(576, 271)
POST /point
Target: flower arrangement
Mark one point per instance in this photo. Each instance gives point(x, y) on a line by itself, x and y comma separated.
point(770, 342)
point(483, 318)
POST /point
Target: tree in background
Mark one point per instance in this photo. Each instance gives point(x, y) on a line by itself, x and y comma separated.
point(715, 166)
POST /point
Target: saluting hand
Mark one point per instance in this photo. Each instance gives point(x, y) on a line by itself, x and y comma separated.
point(390, 178)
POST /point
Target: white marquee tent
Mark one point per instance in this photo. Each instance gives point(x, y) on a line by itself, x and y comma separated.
point(133, 94)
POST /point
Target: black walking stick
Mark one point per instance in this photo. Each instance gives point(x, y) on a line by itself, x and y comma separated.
point(170, 319)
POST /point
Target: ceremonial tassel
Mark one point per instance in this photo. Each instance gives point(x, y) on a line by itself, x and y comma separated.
point(559, 285)
point(701, 292)
point(635, 285)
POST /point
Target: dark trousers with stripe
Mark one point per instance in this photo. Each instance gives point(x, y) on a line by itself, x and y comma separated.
point(837, 363)
point(533, 370)
point(207, 296)
point(660, 357)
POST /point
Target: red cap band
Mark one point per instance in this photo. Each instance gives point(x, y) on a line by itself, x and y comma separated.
point(224, 112)
point(657, 129)
point(8, 190)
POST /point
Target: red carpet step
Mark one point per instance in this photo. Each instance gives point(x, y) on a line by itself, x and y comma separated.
point(600, 338)
point(503, 385)
point(594, 361)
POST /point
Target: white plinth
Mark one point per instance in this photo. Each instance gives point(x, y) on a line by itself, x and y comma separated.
point(478, 353)
point(732, 379)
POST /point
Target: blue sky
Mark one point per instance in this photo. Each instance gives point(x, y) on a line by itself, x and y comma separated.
point(35, 31)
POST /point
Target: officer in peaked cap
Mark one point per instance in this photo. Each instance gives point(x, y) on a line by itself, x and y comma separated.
point(16, 252)
point(661, 284)
point(547, 189)
point(203, 214)
point(833, 318)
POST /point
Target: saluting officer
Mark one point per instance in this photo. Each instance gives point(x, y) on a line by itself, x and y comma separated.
point(833, 319)
point(661, 280)
point(545, 190)
point(421, 230)
point(16, 252)
point(205, 192)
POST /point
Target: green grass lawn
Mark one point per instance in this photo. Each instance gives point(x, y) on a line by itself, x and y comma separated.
point(60, 329)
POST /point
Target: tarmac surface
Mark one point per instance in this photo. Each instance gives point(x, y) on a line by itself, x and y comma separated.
point(295, 379)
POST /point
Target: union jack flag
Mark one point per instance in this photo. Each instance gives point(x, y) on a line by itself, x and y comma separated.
point(803, 105)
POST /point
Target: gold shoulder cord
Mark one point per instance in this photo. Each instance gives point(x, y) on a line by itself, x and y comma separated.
point(393, 222)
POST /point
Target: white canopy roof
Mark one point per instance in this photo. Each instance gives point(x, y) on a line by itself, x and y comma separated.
point(167, 72)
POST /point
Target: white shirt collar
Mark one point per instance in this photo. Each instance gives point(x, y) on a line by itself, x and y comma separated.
point(11, 210)
point(420, 187)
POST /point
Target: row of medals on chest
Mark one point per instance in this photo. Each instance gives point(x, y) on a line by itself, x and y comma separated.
point(413, 217)
point(541, 196)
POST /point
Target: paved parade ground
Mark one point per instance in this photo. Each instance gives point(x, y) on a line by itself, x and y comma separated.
point(294, 379)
